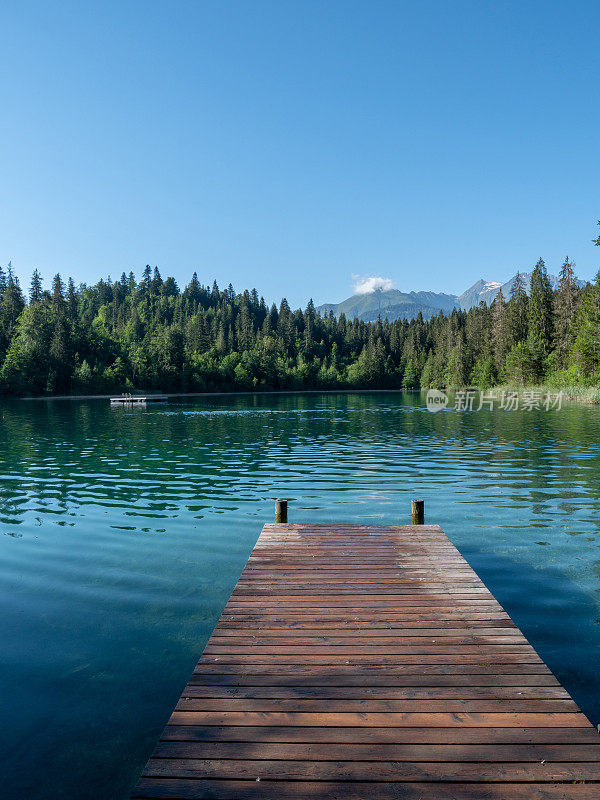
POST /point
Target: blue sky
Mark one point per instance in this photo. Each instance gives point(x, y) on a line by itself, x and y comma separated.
point(293, 145)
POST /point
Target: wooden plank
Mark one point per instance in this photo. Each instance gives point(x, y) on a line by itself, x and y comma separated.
point(370, 663)
point(370, 670)
point(400, 681)
point(375, 719)
point(175, 788)
point(388, 735)
point(369, 770)
point(334, 751)
point(328, 692)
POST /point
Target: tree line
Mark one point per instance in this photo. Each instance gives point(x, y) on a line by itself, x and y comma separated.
point(149, 335)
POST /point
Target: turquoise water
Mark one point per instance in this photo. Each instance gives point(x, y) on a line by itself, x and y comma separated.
point(123, 531)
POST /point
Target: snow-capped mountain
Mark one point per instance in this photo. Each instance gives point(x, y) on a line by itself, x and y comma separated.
point(394, 304)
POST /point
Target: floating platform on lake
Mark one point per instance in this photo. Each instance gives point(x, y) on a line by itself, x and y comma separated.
point(135, 399)
point(370, 663)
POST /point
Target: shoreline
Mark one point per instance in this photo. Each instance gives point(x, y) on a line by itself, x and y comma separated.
point(588, 395)
point(246, 393)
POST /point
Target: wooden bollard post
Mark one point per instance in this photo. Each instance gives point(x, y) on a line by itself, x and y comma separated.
point(417, 508)
point(280, 510)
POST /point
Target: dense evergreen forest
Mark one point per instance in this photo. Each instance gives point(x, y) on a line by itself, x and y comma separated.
point(128, 335)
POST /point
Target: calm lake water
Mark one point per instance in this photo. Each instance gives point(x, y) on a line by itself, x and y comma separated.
point(123, 531)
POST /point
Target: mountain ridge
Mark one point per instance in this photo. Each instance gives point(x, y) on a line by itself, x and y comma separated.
point(393, 304)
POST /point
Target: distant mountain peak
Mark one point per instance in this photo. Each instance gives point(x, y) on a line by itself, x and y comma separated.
point(393, 304)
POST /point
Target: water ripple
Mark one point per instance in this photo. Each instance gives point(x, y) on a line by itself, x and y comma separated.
point(124, 531)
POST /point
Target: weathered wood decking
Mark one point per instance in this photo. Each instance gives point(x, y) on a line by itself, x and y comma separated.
point(370, 663)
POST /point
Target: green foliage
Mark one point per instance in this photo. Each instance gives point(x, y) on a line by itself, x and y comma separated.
point(518, 311)
point(501, 331)
point(566, 302)
point(586, 340)
point(484, 373)
point(518, 366)
point(541, 321)
point(410, 380)
point(150, 335)
point(428, 379)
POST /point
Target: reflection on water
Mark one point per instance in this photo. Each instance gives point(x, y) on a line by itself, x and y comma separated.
point(123, 531)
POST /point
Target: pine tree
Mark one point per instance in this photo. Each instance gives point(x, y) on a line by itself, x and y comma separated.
point(119, 335)
point(456, 370)
point(586, 345)
point(540, 319)
point(104, 292)
point(267, 328)
point(500, 331)
point(72, 300)
point(309, 323)
point(427, 375)
point(60, 351)
point(156, 282)
point(221, 340)
point(540, 304)
point(518, 365)
point(146, 281)
point(191, 293)
point(410, 379)
point(11, 306)
point(285, 326)
point(58, 294)
point(565, 305)
point(35, 289)
point(484, 373)
point(61, 369)
point(244, 332)
point(518, 311)
point(25, 368)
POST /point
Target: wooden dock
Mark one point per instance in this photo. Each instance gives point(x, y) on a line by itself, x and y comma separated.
point(370, 663)
point(137, 399)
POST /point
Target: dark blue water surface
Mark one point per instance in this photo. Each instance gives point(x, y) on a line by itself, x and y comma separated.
point(123, 531)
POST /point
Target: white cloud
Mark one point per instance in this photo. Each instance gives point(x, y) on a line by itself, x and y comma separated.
point(364, 284)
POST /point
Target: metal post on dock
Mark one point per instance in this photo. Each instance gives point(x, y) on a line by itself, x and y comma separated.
point(280, 510)
point(417, 508)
